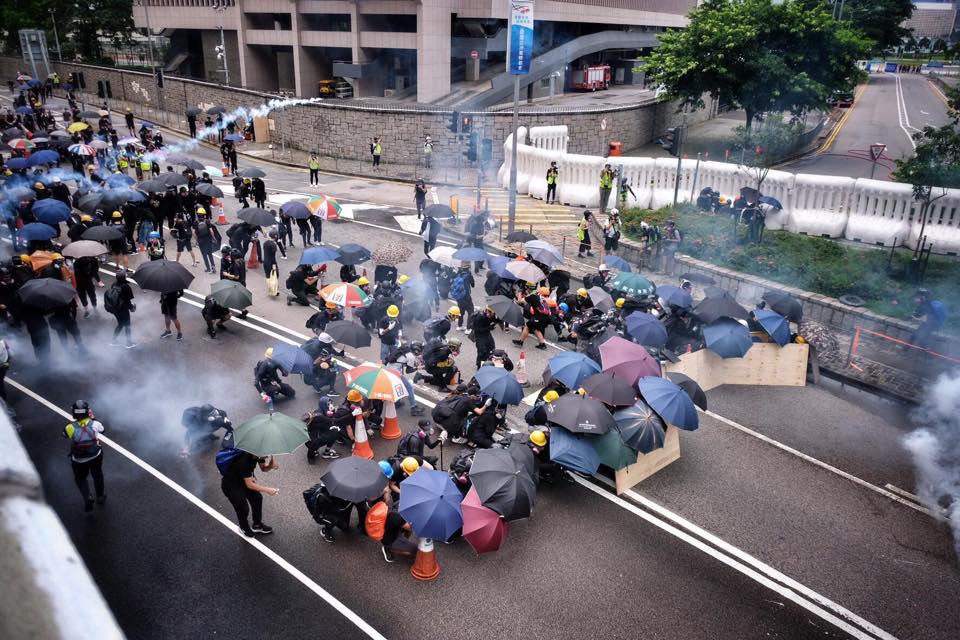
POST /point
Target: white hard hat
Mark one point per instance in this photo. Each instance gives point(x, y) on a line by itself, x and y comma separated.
point(614, 211)
point(326, 338)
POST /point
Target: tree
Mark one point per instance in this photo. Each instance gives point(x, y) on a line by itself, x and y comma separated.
point(878, 20)
point(80, 24)
point(761, 56)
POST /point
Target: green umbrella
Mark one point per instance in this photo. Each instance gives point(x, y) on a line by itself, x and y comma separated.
point(612, 450)
point(232, 295)
point(270, 434)
point(632, 284)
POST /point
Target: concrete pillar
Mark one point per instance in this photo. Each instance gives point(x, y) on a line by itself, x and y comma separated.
point(472, 70)
point(433, 49)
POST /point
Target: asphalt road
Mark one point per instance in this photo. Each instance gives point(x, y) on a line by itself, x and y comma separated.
point(582, 566)
point(883, 113)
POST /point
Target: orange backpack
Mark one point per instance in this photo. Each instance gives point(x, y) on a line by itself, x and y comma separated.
point(377, 520)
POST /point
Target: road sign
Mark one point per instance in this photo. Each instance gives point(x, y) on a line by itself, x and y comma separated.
point(603, 124)
point(876, 150)
point(474, 54)
point(521, 36)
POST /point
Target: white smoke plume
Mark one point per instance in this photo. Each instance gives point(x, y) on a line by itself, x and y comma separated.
point(935, 447)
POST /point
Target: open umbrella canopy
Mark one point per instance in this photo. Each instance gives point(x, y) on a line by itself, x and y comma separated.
point(192, 111)
point(627, 360)
point(785, 304)
point(353, 254)
point(354, 479)
point(349, 333)
point(295, 209)
point(573, 451)
point(640, 427)
point(172, 179)
point(252, 172)
point(609, 390)
point(470, 254)
point(84, 249)
point(674, 296)
point(499, 384)
point(232, 295)
point(46, 156)
point(544, 252)
point(102, 233)
point(317, 255)
point(646, 329)
point(20, 194)
point(727, 338)
point(618, 263)
point(691, 387)
point(77, 126)
point(600, 299)
point(344, 294)
point(632, 284)
point(770, 200)
point(670, 402)
point(153, 186)
point(713, 308)
point(17, 163)
point(46, 293)
point(257, 217)
point(81, 149)
point(270, 434)
point(483, 528)
point(163, 276)
point(50, 211)
point(324, 206)
point(502, 485)
point(571, 368)
point(291, 359)
point(506, 310)
point(774, 324)
point(36, 231)
point(113, 199)
point(438, 211)
point(216, 109)
point(214, 172)
point(444, 255)
point(209, 190)
point(430, 502)
point(185, 161)
point(21, 144)
point(579, 414)
point(613, 451)
point(236, 137)
point(375, 382)
point(520, 236)
point(524, 271)
point(89, 113)
point(117, 180)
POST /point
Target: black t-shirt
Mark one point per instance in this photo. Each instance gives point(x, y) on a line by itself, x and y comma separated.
point(242, 467)
point(392, 528)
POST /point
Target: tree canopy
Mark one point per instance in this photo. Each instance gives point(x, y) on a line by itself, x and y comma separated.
point(80, 25)
point(879, 20)
point(761, 56)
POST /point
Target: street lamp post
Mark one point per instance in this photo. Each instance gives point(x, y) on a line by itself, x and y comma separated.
point(153, 65)
point(220, 6)
point(56, 37)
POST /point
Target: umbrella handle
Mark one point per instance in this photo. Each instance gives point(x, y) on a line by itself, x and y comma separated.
point(441, 455)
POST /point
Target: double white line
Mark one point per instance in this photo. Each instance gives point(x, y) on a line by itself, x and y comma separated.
point(902, 115)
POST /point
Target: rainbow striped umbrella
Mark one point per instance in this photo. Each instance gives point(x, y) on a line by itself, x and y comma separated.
point(324, 206)
point(344, 294)
point(376, 382)
point(21, 144)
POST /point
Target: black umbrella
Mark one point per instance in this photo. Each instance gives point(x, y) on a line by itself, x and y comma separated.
point(698, 277)
point(640, 426)
point(192, 111)
point(438, 211)
point(189, 163)
point(115, 198)
point(153, 186)
point(353, 254)
point(354, 479)
point(785, 304)
point(46, 293)
point(692, 389)
point(349, 333)
point(12, 132)
point(296, 210)
point(89, 114)
point(506, 310)
point(211, 190)
point(712, 309)
point(232, 295)
point(89, 202)
point(257, 217)
point(103, 233)
point(502, 484)
point(520, 236)
point(215, 110)
point(578, 414)
point(610, 390)
point(172, 179)
point(163, 276)
point(252, 172)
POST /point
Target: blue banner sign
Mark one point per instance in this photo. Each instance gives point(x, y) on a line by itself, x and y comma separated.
point(521, 36)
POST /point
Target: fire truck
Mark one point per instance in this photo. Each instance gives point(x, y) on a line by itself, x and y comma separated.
point(590, 78)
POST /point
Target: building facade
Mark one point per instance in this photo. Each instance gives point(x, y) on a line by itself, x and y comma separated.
point(402, 48)
point(933, 20)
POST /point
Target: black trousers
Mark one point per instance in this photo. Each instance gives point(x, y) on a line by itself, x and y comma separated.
point(314, 176)
point(551, 193)
point(243, 500)
point(90, 468)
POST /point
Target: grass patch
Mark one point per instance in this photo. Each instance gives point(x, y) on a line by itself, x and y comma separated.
point(819, 265)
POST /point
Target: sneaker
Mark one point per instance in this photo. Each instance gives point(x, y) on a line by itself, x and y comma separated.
point(519, 343)
point(417, 411)
point(180, 337)
point(259, 527)
point(541, 346)
point(88, 506)
point(132, 345)
point(166, 334)
point(327, 537)
point(329, 454)
point(387, 554)
point(458, 440)
point(101, 498)
point(247, 532)
point(312, 455)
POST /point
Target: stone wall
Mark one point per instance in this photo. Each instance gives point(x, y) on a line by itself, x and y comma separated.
point(345, 130)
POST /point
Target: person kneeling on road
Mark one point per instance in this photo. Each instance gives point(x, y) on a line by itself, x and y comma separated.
point(267, 379)
point(414, 442)
point(438, 360)
point(202, 423)
point(482, 426)
point(324, 431)
point(451, 413)
point(213, 312)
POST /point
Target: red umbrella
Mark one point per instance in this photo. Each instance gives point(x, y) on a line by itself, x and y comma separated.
point(483, 527)
point(627, 360)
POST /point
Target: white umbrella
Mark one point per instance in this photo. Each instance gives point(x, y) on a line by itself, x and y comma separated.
point(444, 255)
point(544, 252)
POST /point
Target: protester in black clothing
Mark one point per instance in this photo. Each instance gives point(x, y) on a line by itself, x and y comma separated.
point(208, 237)
point(316, 223)
point(269, 256)
point(168, 307)
point(482, 324)
point(244, 492)
point(301, 282)
point(63, 320)
point(267, 378)
point(259, 191)
point(212, 313)
point(124, 305)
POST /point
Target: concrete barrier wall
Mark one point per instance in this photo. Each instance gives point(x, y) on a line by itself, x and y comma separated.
point(869, 211)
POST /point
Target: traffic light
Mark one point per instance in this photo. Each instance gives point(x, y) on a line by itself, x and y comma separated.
point(80, 81)
point(454, 125)
point(101, 90)
point(466, 124)
point(158, 72)
point(106, 84)
point(471, 151)
point(671, 140)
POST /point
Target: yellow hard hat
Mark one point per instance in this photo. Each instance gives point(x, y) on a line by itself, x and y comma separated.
point(38, 185)
point(56, 256)
point(550, 396)
point(247, 181)
point(331, 305)
point(362, 281)
point(86, 218)
point(583, 293)
point(454, 311)
point(201, 211)
point(116, 214)
point(621, 302)
point(410, 465)
point(25, 259)
point(268, 353)
point(538, 437)
point(393, 311)
point(403, 278)
point(354, 396)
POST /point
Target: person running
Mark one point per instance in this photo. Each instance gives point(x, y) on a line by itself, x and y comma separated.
point(119, 301)
point(314, 165)
point(183, 231)
point(168, 307)
point(240, 486)
point(86, 270)
point(86, 454)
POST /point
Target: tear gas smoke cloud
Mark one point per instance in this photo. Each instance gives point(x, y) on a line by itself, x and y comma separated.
point(935, 447)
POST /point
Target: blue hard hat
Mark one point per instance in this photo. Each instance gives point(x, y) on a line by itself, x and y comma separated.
point(153, 234)
point(564, 307)
point(386, 468)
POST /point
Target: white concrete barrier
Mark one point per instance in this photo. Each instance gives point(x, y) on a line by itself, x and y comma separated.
point(943, 223)
point(536, 163)
point(553, 138)
point(503, 174)
point(779, 185)
point(639, 175)
point(579, 183)
point(819, 206)
point(880, 212)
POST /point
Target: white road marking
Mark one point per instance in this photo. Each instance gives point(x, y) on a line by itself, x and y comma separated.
point(410, 224)
point(902, 117)
point(221, 519)
point(739, 560)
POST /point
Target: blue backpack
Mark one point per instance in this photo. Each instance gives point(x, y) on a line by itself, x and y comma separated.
point(225, 458)
point(458, 288)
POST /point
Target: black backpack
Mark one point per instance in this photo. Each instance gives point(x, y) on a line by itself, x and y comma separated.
point(112, 301)
point(442, 412)
point(462, 462)
point(316, 498)
point(410, 444)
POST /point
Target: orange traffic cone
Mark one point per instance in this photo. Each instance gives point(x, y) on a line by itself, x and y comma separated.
point(254, 260)
point(222, 217)
point(226, 170)
point(361, 444)
point(521, 371)
point(425, 565)
point(391, 424)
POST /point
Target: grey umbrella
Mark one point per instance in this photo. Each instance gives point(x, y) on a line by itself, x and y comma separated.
point(251, 172)
point(211, 190)
point(503, 484)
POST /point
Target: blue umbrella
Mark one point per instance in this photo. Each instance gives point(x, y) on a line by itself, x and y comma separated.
point(36, 231)
point(470, 254)
point(296, 210)
point(499, 384)
point(498, 265)
point(774, 324)
point(430, 502)
point(675, 296)
point(119, 180)
point(18, 163)
point(233, 137)
point(646, 329)
point(44, 156)
point(35, 84)
point(773, 202)
point(292, 359)
point(573, 451)
point(50, 211)
point(672, 403)
point(727, 338)
point(572, 368)
point(641, 428)
point(616, 262)
point(316, 255)
point(24, 110)
point(20, 194)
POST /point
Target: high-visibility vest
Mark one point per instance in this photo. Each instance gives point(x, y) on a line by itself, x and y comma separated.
point(606, 179)
point(377, 149)
point(314, 164)
point(551, 176)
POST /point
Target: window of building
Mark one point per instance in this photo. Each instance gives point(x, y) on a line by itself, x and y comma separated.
point(269, 21)
point(391, 22)
point(325, 21)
